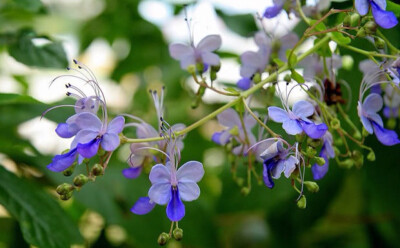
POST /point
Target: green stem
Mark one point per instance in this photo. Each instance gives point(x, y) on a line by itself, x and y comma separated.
point(368, 53)
point(388, 43)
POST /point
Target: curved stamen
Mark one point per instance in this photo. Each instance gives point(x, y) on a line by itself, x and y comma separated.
point(54, 107)
point(133, 117)
point(153, 148)
point(76, 96)
point(75, 88)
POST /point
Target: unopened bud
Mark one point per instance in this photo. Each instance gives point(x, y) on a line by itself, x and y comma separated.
point(64, 188)
point(200, 67)
point(355, 19)
point(347, 21)
point(311, 186)
point(80, 180)
point(257, 78)
point(97, 170)
point(66, 196)
point(213, 75)
point(364, 132)
point(101, 152)
point(245, 191)
point(234, 131)
point(370, 27)
point(314, 142)
point(391, 123)
point(379, 43)
point(348, 163)
point(357, 135)
point(310, 152)
point(358, 158)
point(163, 238)
point(302, 203)
point(70, 170)
point(320, 160)
point(287, 78)
point(371, 156)
point(361, 33)
point(300, 137)
point(178, 234)
point(216, 68)
point(191, 69)
point(335, 123)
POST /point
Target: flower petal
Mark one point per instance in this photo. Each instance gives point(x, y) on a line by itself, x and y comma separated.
point(385, 136)
point(250, 64)
point(210, 58)
point(290, 165)
point(244, 83)
point(188, 191)
point(83, 137)
point(110, 142)
point(88, 150)
point(143, 206)
point(187, 61)
point(180, 51)
point(159, 174)
point(303, 109)
point(209, 43)
point(267, 166)
point(319, 171)
point(89, 121)
point(367, 124)
point(385, 19)
point(62, 130)
point(132, 172)
point(175, 208)
point(362, 6)
point(314, 131)
point(278, 169)
point(63, 161)
point(273, 11)
point(272, 150)
point(191, 171)
point(372, 104)
point(160, 193)
point(292, 127)
point(277, 114)
point(229, 118)
point(116, 125)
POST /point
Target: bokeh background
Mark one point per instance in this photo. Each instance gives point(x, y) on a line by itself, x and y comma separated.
point(125, 43)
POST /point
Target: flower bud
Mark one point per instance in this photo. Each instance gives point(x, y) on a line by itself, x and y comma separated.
point(163, 238)
point(358, 158)
point(200, 67)
point(361, 33)
point(239, 181)
point(379, 43)
point(310, 152)
point(64, 189)
point(70, 170)
point(364, 132)
point(213, 75)
point(391, 123)
point(66, 196)
point(314, 142)
point(335, 123)
point(97, 170)
point(371, 156)
point(287, 78)
point(216, 68)
point(320, 160)
point(355, 19)
point(257, 78)
point(234, 131)
point(245, 191)
point(357, 135)
point(191, 69)
point(311, 186)
point(178, 234)
point(370, 27)
point(348, 163)
point(302, 203)
point(300, 137)
point(101, 152)
point(80, 180)
point(347, 21)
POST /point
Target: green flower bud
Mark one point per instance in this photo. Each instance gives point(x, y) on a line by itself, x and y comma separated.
point(310, 152)
point(300, 137)
point(163, 238)
point(347, 21)
point(191, 69)
point(358, 158)
point(348, 163)
point(97, 170)
point(245, 191)
point(335, 123)
point(361, 33)
point(355, 19)
point(80, 180)
point(314, 142)
point(379, 43)
point(239, 181)
point(364, 132)
point(302, 203)
point(213, 75)
point(101, 152)
point(216, 68)
point(287, 78)
point(64, 189)
point(320, 161)
point(66, 196)
point(371, 156)
point(178, 234)
point(357, 135)
point(70, 170)
point(257, 78)
point(234, 131)
point(370, 27)
point(391, 123)
point(311, 186)
point(199, 67)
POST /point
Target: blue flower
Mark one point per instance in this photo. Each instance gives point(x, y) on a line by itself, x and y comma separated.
point(202, 53)
point(372, 122)
point(275, 9)
point(296, 121)
point(327, 152)
point(385, 19)
point(277, 159)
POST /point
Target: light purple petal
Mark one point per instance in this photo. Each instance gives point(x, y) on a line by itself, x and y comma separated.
point(385, 19)
point(62, 130)
point(224, 137)
point(376, 118)
point(229, 118)
point(209, 43)
point(250, 64)
point(210, 58)
point(143, 206)
point(110, 142)
point(216, 138)
point(292, 127)
point(314, 131)
point(89, 149)
point(278, 114)
point(189, 60)
point(188, 191)
point(385, 136)
point(159, 174)
point(327, 146)
point(273, 149)
point(279, 168)
point(84, 136)
point(132, 173)
point(175, 209)
point(160, 193)
point(145, 130)
point(362, 6)
point(381, 3)
point(372, 104)
point(180, 51)
point(63, 161)
point(88, 121)
point(191, 171)
point(303, 109)
point(290, 165)
point(367, 124)
point(116, 125)
point(262, 40)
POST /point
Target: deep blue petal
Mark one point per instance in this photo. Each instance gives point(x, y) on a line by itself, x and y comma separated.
point(385, 19)
point(63, 132)
point(89, 149)
point(314, 131)
point(385, 136)
point(273, 11)
point(216, 137)
point(319, 171)
point(142, 206)
point(63, 161)
point(132, 172)
point(175, 207)
point(268, 167)
point(244, 83)
point(389, 112)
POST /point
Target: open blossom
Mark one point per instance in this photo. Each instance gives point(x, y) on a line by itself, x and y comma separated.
point(202, 53)
point(372, 122)
point(385, 19)
point(277, 160)
point(327, 152)
point(296, 121)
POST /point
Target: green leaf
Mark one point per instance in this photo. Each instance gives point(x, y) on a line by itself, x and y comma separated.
point(393, 7)
point(320, 26)
point(279, 62)
point(293, 57)
point(325, 50)
point(297, 77)
point(29, 5)
point(43, 223)
point(240, 24)
point(51, 54)
point(340, 38)
point(232, 90)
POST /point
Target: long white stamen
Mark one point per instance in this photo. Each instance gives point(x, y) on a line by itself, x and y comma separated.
point(153, 148)
point(133, 117)
point(75, 88)
point(58, 106)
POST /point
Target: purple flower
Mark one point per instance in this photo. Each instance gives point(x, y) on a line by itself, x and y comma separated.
point(230, 119)
point(313, 66)
point(296, 121)
point(372, 122)
point(277, 159)
point(392, 102)
point(326, 152)
point(275, 9)
point(143, 206)
point(139, 154)
point(202, 53)
point(385, 19)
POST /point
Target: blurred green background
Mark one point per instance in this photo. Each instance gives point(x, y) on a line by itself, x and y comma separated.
point(125, 43)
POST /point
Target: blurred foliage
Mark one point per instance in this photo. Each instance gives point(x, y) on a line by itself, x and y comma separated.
point(354, 208)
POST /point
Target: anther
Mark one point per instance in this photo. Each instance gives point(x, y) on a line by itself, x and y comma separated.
point(75, 61)
point(68, 93)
